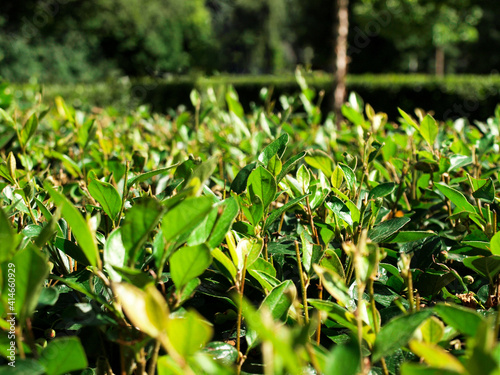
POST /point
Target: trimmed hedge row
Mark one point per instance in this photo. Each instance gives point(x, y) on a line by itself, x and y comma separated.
point(449, 97)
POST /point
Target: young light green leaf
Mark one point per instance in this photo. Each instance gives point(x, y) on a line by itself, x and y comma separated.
point(320, 160)
point(188, 263)
point(114, 254)
point(225, 261)
point(436, 356)
point(340, 210)
point(495, 244)
point(28, 130)
point(408, 119)
point(432, 330)
point(81, 229)
point(429, 130)
point(349, 175)
point(148, 175)
point(337, 177)
point(188, 333)
point(146, 309)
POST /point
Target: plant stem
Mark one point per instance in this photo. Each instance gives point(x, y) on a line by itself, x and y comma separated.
point(320, 297)
point(154, 359)
point(241, 288)
point(302, 283)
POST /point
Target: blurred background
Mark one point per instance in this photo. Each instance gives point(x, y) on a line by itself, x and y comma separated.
point(68, 42)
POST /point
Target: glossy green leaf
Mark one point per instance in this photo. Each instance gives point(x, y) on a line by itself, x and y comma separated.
point(275, 214)
point(140, 220)
point(408, 236)
point(189, 262)
point(63, 355)
point(340, 210)
point(397, 332)
point(274, 166)
point(188, 333)
point(107, 196)
point(280, 300)
point(456, 197)
point(463, 319)
point(230, 210)
point(71, 249)
point(239, 184)
point(80, 228)
point(276, 147)
point(337, 177)
point(382, 190)
point(332, 262)
point(334, 284)
point(221, 352)
point(289, 165)
point(486, 192)
point(408, 119)
point(385, 229)
point(225, 261)
point(349, 175)
point(486, 266)
point(184, 217)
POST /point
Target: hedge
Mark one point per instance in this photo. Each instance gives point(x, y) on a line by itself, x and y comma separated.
point(449, 97)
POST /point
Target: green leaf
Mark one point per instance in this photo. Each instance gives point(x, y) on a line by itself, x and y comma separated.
point(343, 359)
point(432, 330)
point(331, 262)
point(408, 119)
point(276, 147)
point(230, 210)
point(275, 214)
point(71, 249)
point(30, 269)
point(188, 263)
point(7, 238)
point(239, 183)
point(456, 197)
point(429, 130)
point(225, 261)
point(188, 333)
point(290, 164)
point(114, 254)
point(334, 284)
point(274, 166)
point(185, 216)
point(340, 210)
point(79, 226)
point(63, 355)
point(436, 356)
point(349, 175)
point(397, 332)
point(107, 196)
point(146, 309)
point(385, 229)
point(140, 220)
point(408, 236)
point(495, 244)
point(458, 161)
point(280, 300)
point(463, 319)
point(48, 297)
point(382, 190)
point(28, 130)
point(221, 352)
point(337, 177)
point(320, 160)
point(486, 266)
point(148, 175)
point(263, 185)
point(70, 165)
point(486, 192)
point(408, 368)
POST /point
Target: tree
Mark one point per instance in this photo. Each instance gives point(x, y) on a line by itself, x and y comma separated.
point(413, 26)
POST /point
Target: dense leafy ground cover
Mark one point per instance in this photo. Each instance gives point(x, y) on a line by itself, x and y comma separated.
point(215, 241)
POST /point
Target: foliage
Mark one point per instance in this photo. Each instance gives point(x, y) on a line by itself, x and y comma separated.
point(220, 241)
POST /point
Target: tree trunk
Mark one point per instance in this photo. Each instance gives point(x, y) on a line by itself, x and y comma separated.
point(439, 61)
point(341, 57)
